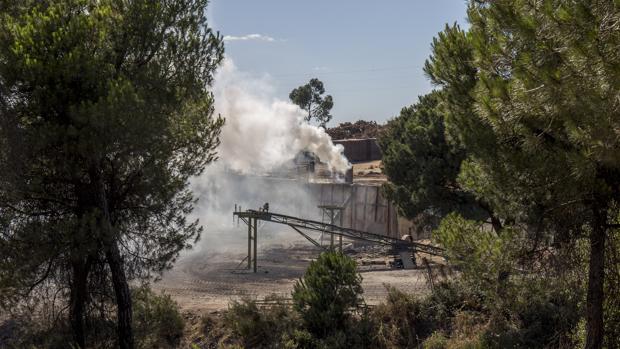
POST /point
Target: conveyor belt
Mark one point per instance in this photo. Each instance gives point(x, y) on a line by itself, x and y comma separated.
point(300, 223)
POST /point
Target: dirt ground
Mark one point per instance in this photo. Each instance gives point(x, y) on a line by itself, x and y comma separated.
point(209, 279)
point(368, 172)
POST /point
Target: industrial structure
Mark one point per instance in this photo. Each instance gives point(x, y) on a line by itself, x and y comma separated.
point(360, 150)
point(406, 249)
point(351, 207)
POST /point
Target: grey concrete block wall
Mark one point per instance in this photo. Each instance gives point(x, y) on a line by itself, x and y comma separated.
point(360, 150)
point(365, 208)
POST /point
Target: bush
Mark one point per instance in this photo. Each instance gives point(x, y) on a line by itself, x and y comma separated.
point(436, 341)
point(403, 321)
point(449, 299)
point(328, 291)
point(455, 315)
point(212, 332)
point(300, 339)
point(261, 327)
point(535, 317)
point(157, 321)
point(29, 332)
point(353, 337)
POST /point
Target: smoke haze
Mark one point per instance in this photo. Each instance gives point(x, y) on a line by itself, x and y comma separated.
point(261, 134)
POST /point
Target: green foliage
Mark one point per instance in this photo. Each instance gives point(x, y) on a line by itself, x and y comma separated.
point(532, 314)
point(529, 91)
point(105, 115)
point(436, 341)
point(300, 339)
point(524, 311)
point(157, 320)
point(328, 291)
point(262, 327)
point(309, 97)
point(356, 335)
point(452, 68)
point(29, 333)
point(213, 331)
point(403, 321)
point(422, 164)
point(482, 255)
point(448, 299)
point(408, 321)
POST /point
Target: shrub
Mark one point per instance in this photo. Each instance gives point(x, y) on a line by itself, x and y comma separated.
point(29, 332)
point(402, 321)
point(351, 338)
point(361, 331)
point(436, 341)
point(157, 324)
point(405, 321)
point(299, 339)
point(157, 321)
point(325, 295)
point(447, 299)
point(261, 327)
point(535, 318)
point(213, 332)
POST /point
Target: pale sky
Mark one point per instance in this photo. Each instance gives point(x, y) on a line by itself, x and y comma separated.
point(369, 54)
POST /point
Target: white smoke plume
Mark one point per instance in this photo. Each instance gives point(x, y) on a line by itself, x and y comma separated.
point(262, 133)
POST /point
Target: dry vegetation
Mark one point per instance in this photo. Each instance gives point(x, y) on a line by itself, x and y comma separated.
point(357, 130)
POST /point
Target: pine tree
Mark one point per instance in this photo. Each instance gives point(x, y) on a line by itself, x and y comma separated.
point(532, 93)
point(422, 164)
point(325, 295)
point(105, 114)
point(309, 97)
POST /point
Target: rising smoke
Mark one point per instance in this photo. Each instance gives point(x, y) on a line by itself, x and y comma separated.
point(261, 135)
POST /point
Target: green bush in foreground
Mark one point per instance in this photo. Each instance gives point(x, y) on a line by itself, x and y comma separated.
point(322, 315)
point(157, 320)
point(328, 291)
point(454, 315)
point(261, 327)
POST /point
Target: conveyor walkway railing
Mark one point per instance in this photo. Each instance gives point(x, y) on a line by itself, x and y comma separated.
point(250, 217)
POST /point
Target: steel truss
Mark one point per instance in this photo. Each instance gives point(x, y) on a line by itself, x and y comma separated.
point(300, 223)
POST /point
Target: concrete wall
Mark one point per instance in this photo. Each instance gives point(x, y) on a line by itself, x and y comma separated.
point(360, 150)
point(365, 208)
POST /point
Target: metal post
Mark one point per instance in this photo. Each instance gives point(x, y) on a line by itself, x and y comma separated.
point(255, 241)
point(249, 242)
point(331, 215)
point(340, 236)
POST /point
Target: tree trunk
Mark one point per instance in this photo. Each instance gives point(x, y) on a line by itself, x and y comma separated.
point(80, 269)
point(123, 297)
point(495, 222)
point(115, 261)
point(596, 278)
